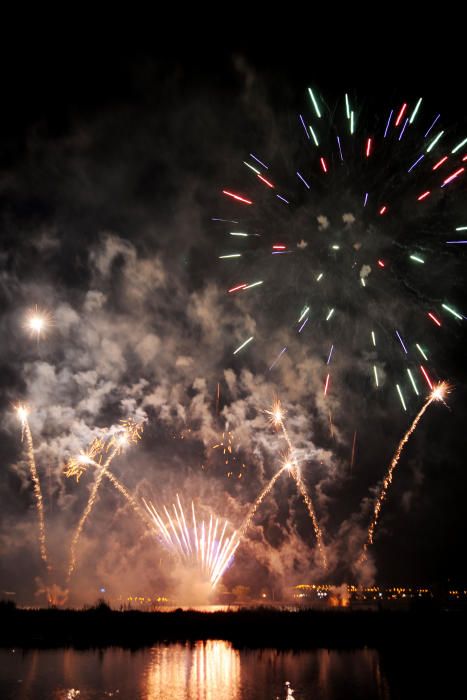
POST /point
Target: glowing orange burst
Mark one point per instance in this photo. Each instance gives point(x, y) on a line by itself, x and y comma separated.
point(76, 466)
point(440, 391)
point(277, 414)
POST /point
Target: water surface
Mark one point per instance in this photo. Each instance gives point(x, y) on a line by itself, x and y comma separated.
point(214, 670)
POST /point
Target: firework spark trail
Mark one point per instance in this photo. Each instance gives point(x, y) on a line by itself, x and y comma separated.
point(83, 460)
point(291, 465)
point(129, 432)
point(352, 458)
point(252, 512)
point(437, 394)
point(331, 427)
point(278, 419)
point(311, 511)
point(88, 509)
point(199, 547)
point(26, 432)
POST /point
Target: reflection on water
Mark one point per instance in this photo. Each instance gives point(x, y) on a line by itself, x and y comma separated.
point(205, 671)
point(215, 670)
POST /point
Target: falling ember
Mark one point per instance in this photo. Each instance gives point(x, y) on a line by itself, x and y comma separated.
point(440, 163)
point(383, 210)
point(415, 110)
point(401, 396)
point(304, 126)
point(421, 351)
point(419, 159)
point(401, 114)
point(347, 106)
point(326, 385)
point(434, 319)
point(425, 374)
point(237, 197)
point(452, 312)
point(23, 413)
point(388, 123)
point(375, 372)
point(434, 142)
point(403, 129)
point(240, 347)
point(278, 358)
point(423, 196)
point(437, 394)
point(368, 148)
point(340, 148)
point(412, 381)
point(399, 337)
point(259, 161)
point(194, 543)
point(253, 284)
point(263, 179)
point(323, 165)
point(315, 103)
point(303, 180)
point(235, 289)
point(255, 170)
point(432, 125)
point(459, 146)
point(315, 139)
point(303, 314)
point(453, 176)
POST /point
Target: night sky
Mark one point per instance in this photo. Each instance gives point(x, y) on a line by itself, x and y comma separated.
point(112, 167)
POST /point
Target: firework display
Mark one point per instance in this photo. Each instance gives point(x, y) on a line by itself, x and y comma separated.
point(328, 246)
point(205, 547)
point(334, 262)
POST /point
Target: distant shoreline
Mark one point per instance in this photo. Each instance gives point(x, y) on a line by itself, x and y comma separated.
point(260, 627)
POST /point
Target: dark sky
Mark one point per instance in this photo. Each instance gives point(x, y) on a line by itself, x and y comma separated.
point(111, 169)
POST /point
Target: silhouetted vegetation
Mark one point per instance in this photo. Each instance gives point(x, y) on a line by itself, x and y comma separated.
point(260, 627)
